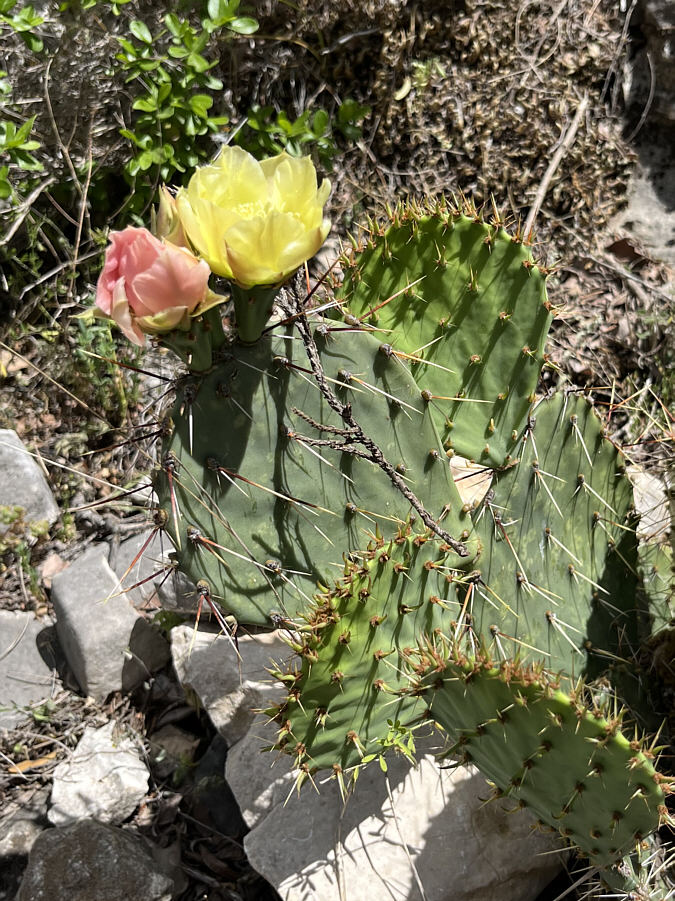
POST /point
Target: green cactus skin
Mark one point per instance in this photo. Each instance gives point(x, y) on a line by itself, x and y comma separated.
point(571, 620)
point(475, 313)
point(559, 550)
point(259, 514)
point(347, 692)
point(553, 751)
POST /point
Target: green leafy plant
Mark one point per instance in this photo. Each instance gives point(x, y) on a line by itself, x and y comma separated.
point(16, 145)
point(174, 110)
point(266, 131)
point(22, 22)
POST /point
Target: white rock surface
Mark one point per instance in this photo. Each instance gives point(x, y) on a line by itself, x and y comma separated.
point(23, 483)
point(27, 661)
point(108, 645)
point(152, 558)
point(230, 689)
point(651, 502)
point(308, 846)
point(104, 779)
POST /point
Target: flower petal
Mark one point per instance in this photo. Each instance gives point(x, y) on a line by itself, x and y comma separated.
point(175, 279)
point(176, 317)
point(121, 313)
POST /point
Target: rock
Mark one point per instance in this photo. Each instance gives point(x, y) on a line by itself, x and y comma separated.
point(228, 688)
point(462, 848)
point(90, 860)
point(23, 483)
point(211, 800)
point(109, 646)
point(104, 779)
point(177, 593)
point(28, 658)
point(171, 748)
point(260, 781)
point(651, 502)
point(17, 837)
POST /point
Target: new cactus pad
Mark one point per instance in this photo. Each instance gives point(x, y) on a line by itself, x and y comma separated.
point(346, 692)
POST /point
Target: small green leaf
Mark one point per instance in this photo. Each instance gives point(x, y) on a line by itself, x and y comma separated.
point(141, 31)
point(320, 122)
point(200, 104)
point(163, 92)
point(174, 24)
point(243, 25)
point(145, 160)
point(198, 63)
point(146, 105)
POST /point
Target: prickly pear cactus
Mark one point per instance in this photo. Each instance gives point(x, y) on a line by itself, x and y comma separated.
point(465, 307)
point(552, 582)
point(346, 696)
point(555, 752)
point(265, 486)
point(644, 875)
point(322, 449)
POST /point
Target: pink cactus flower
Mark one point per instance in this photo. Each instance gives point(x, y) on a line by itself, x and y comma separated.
point(149, 286)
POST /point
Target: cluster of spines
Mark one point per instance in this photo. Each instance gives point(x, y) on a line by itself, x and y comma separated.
point(448, 210)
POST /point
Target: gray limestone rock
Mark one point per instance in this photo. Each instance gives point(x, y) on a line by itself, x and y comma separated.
point(176, 592)
point(90, 860)
point(28, 656)
point(426, 826)
point(104, 779)
point(23, 484)
point(17, 838)
point(109, 646)
point(228, 687)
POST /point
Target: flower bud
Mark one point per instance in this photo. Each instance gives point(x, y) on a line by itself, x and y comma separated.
point(166, 223)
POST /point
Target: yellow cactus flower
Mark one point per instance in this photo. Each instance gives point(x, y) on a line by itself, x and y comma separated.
point(254, 222)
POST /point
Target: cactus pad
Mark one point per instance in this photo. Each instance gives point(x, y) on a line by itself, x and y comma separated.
point(347, 693)
point(559, 551)
point(467, 311)
point(556, 753)
point(262, 487)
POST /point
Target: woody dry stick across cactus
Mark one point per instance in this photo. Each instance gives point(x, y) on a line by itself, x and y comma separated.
point(305, 483)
